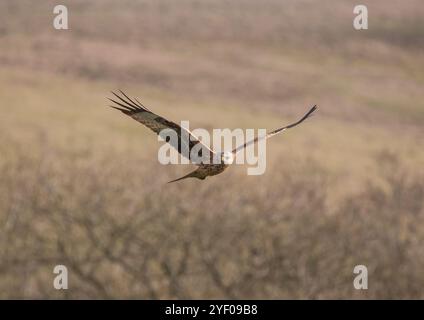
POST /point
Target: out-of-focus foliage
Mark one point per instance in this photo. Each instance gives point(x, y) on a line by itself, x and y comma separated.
point(80, 184)
point(121, 236)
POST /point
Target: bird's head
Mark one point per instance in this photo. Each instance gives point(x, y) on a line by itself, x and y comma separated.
point(227, 157)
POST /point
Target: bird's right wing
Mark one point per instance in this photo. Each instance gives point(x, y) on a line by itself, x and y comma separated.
point(277, 131)
point(160, 126)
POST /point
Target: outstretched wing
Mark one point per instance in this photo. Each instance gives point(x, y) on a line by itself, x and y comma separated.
point(273, 133)
point(186, 141)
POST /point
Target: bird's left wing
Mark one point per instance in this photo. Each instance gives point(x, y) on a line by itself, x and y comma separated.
point(159, 125)
point(277, 131)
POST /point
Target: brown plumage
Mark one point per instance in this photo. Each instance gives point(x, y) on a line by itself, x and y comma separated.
point(159, 125)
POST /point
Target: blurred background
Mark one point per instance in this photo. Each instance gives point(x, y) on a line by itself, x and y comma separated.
point(80, 184)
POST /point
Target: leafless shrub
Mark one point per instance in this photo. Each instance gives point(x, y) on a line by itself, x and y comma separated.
point(120, 238)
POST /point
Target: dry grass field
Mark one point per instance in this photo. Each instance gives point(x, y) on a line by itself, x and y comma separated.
point(80, 184)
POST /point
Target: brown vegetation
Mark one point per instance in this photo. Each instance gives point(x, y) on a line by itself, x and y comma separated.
point(80, 184)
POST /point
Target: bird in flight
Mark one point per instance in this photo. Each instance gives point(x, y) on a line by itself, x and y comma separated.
point(218, 161)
